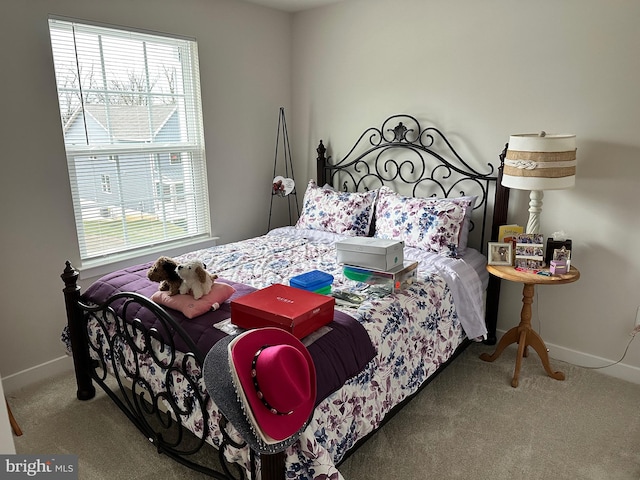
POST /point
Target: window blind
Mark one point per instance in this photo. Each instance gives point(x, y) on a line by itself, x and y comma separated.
point(132, 122)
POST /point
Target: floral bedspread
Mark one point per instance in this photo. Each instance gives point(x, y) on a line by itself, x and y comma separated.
point(413, 332)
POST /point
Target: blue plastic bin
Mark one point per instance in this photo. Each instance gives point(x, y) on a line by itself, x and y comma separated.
point(313, 281)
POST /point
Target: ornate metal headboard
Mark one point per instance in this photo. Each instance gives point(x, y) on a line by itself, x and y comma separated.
point(415, 161)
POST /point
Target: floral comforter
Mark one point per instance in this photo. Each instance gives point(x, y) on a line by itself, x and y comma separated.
point(413, 333)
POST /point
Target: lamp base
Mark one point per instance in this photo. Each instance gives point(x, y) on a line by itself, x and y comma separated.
point(535, 209)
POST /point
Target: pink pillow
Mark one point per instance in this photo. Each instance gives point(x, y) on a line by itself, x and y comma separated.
point(190, 307)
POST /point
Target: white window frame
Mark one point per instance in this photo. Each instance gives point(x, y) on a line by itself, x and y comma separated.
point(190, 145)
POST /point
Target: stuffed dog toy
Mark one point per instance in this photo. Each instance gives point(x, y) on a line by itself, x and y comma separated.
point(164, 271)
point(195, 278)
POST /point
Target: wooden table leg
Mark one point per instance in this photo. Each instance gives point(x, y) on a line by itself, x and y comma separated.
point(535, 341)
point(522, 346)
point(524, 336)
point(14, 425)
point(507, 339)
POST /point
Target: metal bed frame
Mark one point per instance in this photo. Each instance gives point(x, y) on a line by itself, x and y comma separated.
point(399, 151)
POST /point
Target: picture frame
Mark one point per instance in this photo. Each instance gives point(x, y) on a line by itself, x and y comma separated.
point(529, 251)
point(533, 251)
point(500, 253)
point(562, 254)
point(529, 264)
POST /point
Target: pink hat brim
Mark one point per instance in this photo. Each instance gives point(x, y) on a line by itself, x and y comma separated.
point(278, 427)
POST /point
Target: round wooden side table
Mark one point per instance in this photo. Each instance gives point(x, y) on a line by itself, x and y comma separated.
point(523, 334)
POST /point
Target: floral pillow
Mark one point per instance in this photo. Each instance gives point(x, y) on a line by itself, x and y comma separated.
point(432, 224)
point(347, 213)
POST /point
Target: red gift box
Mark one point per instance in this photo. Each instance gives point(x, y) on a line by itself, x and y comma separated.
point(300, 312)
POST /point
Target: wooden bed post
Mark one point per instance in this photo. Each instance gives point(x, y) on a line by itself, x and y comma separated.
point(500, 207)
point(77, 333)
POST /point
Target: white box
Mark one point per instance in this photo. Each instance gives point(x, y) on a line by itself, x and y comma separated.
point(368, 252)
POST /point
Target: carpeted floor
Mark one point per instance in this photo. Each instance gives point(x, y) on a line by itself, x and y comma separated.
point(469, 423)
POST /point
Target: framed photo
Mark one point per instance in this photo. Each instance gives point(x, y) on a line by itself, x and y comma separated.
point(533, 238)
point(562, 254)
point(500, 253)
point(530, 251)
point(529, 264)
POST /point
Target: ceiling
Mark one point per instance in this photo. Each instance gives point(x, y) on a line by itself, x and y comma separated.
point(293, 5)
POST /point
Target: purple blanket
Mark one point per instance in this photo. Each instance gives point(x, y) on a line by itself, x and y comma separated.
point(338, 355)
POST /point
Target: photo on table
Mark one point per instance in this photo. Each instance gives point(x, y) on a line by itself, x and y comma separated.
point(500, 253)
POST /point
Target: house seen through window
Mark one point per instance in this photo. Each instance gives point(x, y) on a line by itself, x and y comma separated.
point(106, 184)
point(131, 115)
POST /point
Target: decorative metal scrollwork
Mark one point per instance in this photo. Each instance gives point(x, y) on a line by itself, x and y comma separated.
point(168, 409)
point(404, 154)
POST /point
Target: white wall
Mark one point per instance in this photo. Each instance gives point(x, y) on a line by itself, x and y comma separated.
point(483, 70)
point(245, 70)
point(477, 70)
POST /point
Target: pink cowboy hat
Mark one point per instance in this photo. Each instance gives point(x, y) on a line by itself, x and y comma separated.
point(275, 379)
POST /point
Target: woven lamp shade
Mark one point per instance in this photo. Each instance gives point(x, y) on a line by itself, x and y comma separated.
point(540, 162)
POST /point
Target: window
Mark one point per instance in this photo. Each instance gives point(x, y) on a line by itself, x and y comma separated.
point(131, 114)
point(106, 184)
point(175, 159)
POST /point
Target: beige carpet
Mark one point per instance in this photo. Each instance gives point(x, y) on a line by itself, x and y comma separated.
point(469, 423)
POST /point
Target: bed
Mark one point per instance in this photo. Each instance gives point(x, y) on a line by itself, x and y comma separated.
point(375, 355)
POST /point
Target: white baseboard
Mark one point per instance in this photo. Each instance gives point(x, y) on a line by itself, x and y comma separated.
point(581, 359)
point(25, 378)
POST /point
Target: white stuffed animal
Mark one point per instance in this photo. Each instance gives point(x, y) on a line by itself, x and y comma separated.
point(195, 278)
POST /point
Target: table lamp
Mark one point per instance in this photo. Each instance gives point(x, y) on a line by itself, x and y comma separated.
point(538, 162)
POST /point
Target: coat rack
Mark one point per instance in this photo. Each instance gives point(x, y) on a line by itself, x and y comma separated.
point(283, 186)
